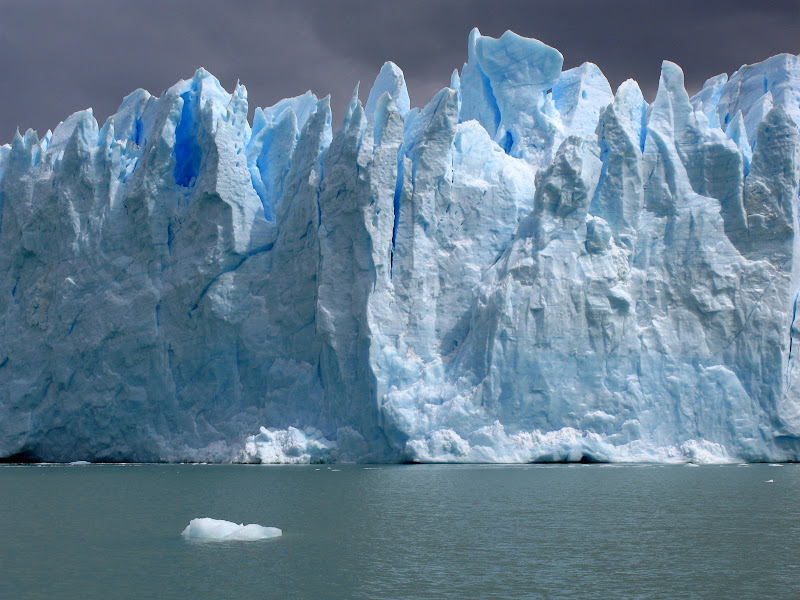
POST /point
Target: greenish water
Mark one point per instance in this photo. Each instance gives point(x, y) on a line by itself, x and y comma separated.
point(537, 531)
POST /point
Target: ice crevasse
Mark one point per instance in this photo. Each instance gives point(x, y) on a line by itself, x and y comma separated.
point(531, 267)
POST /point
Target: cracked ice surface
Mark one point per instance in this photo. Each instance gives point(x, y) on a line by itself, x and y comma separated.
point(529, 267)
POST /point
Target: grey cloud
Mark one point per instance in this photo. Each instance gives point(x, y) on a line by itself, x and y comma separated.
point(58, 57)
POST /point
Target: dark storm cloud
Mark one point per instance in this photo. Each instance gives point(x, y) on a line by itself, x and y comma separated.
point(57, 57)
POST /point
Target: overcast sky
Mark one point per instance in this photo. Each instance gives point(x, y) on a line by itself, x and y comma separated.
point(57, 57)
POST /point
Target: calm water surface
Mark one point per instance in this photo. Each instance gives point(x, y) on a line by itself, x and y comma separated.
point(582, 531)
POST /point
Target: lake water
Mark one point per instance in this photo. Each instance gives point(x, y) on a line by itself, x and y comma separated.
point(406, 531)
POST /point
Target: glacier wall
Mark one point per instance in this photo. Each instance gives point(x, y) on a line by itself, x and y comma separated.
point(529, 268)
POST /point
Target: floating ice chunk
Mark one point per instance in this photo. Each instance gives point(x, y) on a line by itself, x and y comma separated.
point(218, 530)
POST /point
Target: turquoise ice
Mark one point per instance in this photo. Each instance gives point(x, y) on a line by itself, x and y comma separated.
point(530, 267)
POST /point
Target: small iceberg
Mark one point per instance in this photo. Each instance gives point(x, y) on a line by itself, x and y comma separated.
point(218, 530)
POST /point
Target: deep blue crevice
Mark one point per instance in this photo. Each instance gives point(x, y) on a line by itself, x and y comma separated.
point(250, 254)
point(398, 190)
point(487, 87)
point(643, 131)
point(594, 209)
point(508, 142)
point(187, 151)
point(794, 316)
point(137, 132)
point(319, 210)
point(259, 187)
point(263, 175)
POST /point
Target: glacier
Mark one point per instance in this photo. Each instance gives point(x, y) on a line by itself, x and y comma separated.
point(531, 267)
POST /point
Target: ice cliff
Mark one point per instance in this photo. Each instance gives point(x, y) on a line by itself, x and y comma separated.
point(529, 268)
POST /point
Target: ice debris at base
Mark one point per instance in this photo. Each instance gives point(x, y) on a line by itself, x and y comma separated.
point(217, 530)
point(290, 446)
point(530, 267)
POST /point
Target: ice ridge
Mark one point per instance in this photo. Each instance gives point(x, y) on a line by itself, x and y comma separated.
point(531, 267)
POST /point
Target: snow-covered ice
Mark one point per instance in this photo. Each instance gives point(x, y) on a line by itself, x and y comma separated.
point(217, 530)
point(530, 267)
